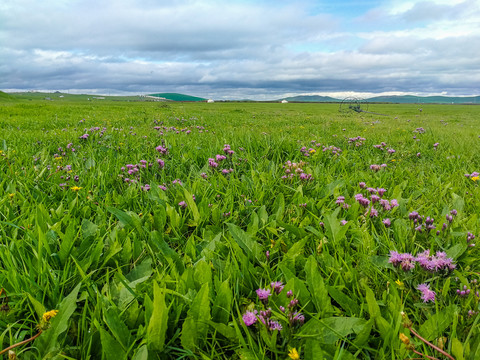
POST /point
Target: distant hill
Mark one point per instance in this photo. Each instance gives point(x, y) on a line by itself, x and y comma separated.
point(404, 99)
point(5, 97)
point(178, 97)
point(311, 98)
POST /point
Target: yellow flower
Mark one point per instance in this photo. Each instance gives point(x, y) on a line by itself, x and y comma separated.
point(313, 151)
point(75, 188)
point(399, 283)
point(58, 158)
point(293, 354)
point(49, 315)
point(404, 338)
point(11, 195)
point(475, 178)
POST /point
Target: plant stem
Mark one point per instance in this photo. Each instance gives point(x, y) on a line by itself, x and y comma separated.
point(431, 345)
point(21, 342)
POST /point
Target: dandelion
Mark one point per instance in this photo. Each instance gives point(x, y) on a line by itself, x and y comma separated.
point(75, 188)
point(293, 354)
point(475, 178)
point(49, 315)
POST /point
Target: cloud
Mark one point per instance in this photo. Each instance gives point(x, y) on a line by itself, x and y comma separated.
point(243, 48)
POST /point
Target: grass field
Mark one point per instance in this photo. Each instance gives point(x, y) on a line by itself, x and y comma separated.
point(238, 230)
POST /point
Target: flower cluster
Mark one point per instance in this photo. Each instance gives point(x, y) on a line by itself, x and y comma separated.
point(431, 263)
point(357, 141)
point(334, 150)
point(295, 169)
point(376, 167)
point(266, 315)
point(427, 294)
point(214, 163)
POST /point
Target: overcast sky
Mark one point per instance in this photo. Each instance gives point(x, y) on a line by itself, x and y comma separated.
point(236, 49)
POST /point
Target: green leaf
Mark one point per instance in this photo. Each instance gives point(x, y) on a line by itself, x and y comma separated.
point(117, 327)
point(195, 327)
point(39, 308)
point(457, 349)
point(456, 250)
point(141, 353)
point(170, 255)
point(279, 206)
point(126, 219)
point(332, 329)
point(192, 206)
point(158, 324)
point(344, 301)
point(226, 331)
point(317, 288)
point(436, 324)
point(111, 348)
point(49, 341)
point(223, 302)
point(251, 248)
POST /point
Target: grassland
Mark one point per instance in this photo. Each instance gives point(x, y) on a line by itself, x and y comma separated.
point(151, 226)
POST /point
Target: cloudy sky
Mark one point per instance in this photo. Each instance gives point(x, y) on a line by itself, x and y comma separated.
point(235, 49)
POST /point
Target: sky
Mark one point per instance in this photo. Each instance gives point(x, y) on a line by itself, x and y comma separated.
point(241, 49)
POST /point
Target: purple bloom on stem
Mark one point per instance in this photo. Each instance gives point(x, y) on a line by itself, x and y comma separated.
point(277, 286)
point(182, 204)
point(427, 294)
point(263, 294)
point(387, 222)
point(275, 325)
point(250, 318)
point(289, 293)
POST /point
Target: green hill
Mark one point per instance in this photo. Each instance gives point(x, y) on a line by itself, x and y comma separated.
point(178, 97)
point(5, 97)
point(311, 98)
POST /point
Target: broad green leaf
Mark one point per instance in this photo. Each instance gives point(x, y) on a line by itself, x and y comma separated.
point(456, 250)
point(158, 324)
point(170, 255)
point(111, 348)
point(246, 243)
point(141, 353)
point(39, 308)
point(436, 324)
point(350, 306)
point(49, 341)
point(117, 327)
point(195, 327)
point(279, 206)
point(223, 302)
point(457, 349)
point(192, 206)
point(317, 288)
point(332, 329)
point(225, 330)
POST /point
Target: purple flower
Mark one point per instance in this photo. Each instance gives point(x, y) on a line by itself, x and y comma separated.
point(263, 294)
point(182, 204)
point(250, 317)
point(275, 325)
point(387, 222)
point(427, 294)
point(161, 163)
point(277, 286)
point(362, 184)
point(289, 293)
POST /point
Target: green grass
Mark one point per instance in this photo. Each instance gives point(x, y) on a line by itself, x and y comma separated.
point(169, 273)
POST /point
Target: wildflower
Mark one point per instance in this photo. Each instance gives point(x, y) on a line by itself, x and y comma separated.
point(250, 317)
point(49, 315)
point(399, 283)
point(475, 178)
point(277, 286)
point(343, 222)
point(182, 204)
point(387, 222)
point(404, 339)
point(427, 294)
point(263, 294)
point(275, 325)
point(75, 188)
point(289, 293)
point(293, 354)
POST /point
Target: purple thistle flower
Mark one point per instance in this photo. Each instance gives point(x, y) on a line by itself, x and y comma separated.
point(387, 222)
point(263, 294)
point(250, 317)
point(182, 204)
point(275, 325)
point(277, 286)
point(427, 294)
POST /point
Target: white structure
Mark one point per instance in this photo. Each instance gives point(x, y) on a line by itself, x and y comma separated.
point(284, 101)
point(210, 101)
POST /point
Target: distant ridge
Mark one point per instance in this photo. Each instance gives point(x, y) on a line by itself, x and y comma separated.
point(311, 98)
point(5, 97)
point(403, 99)
point(177, 97)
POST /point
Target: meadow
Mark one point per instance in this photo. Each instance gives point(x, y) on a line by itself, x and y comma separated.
point(150, 230)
